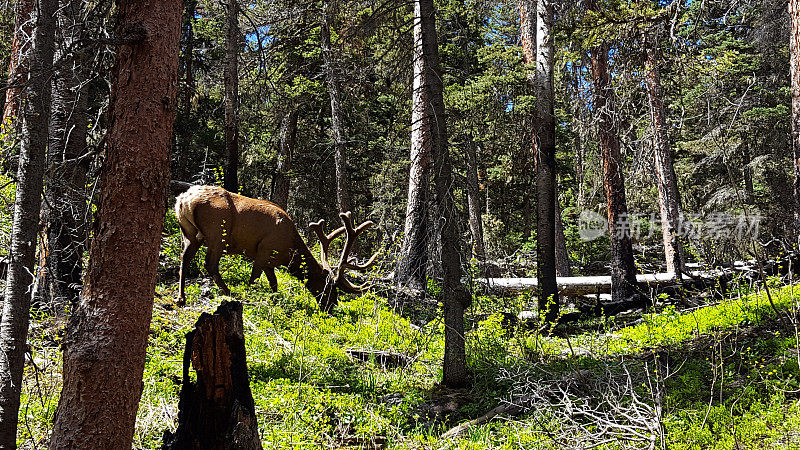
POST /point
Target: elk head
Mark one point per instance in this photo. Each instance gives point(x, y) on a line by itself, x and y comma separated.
point(326, 285)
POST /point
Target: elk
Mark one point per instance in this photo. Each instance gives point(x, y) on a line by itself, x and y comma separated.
point(259, 229)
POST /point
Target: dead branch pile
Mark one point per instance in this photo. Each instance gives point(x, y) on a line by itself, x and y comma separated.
point(613, 403)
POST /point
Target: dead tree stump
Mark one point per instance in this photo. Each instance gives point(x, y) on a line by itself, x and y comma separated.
point(216, 412)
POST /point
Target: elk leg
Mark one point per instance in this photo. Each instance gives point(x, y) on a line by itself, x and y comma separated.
point(190, 248)
point(212, 267)
point(273, 281)
point(257, 269)
point(264, 264)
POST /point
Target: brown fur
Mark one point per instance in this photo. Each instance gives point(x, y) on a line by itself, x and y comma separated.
point(231, 223)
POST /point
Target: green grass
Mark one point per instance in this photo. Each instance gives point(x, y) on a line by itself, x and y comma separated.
point(309, 393)
point(728, 372)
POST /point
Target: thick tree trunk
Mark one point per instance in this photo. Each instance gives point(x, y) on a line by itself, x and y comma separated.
point(106, 339)
point(231, 100)
point(17, 70)
point(286, 147)
point(337, 122)
point(414, 254)
point(216, 412)
point(623, 268)
point(474, 202)
point(22, 254)
point(666, 182)
point(529, 13)
point(794, 64)
point(544, 153)
point(455, 296)
point(65, 211)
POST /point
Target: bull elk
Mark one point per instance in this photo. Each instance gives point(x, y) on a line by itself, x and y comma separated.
point(262, 231)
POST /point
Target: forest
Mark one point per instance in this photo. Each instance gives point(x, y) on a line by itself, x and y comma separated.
point(424, 224)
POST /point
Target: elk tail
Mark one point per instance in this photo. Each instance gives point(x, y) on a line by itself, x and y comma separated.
point(184, 212)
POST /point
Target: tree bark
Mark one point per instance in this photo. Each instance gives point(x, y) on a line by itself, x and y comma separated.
point(337, 123)
point(544, 153)
point(231, 100)
point(474, 202)
point(106, 338)
point(563, 268)
point(286, 148)
point(27, 206)
point(747, 172)
point(216, 412)
point(183, 124)
point(455, 296)
point(666, 181)
point(623, 268)
point(528, 11)
point(794, 65)
point(527, 20)
point(17, 70)
point(414, 254)
point(579, 172)
point(65, 212)
point(528, 14)
point(576, 109)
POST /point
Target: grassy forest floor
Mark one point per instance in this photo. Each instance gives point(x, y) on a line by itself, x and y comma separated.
point(722, 376)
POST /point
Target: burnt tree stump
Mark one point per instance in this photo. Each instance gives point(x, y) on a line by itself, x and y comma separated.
point(216, 411)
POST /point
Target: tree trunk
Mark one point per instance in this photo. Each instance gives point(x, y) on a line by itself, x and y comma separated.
point(337, 124)
point(216, 412)
point(527, 208)
point(231, 100)
point(747, 172)
point(666, 182)
point(106, 338)
point(474, 202)
point(544, 153)
point(528, 14)
point(454, 295)
point(527, 20)
point(563, 268)
point(183, 124)
point(414, 254)
point(579, 173)
point(65, 211)
point(286, 148)
point(623, 269)
point(794, 65)
point(22, 254)
point(576, 109)
point(17, 70)
point(534, 40)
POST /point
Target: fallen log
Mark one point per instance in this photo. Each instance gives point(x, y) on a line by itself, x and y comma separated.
point(217, 412)
point(178, 187)
point(379, 357)
point(593, 284)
